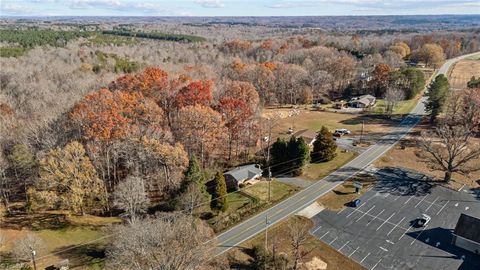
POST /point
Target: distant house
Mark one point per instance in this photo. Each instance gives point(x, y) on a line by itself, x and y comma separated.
point(307, 135)
point(234, 178)
point(467, 233)
point(364, 101)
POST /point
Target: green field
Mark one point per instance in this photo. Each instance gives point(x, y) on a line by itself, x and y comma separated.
point(403, 107)
point(316, 171)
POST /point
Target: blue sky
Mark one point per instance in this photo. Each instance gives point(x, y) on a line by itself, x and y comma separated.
point(234, 7)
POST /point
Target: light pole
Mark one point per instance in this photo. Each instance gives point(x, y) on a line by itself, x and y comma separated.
point(33, 258)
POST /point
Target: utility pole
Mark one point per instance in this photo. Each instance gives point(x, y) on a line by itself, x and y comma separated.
point(361, 135)
point(269, 180)
point(33, 258)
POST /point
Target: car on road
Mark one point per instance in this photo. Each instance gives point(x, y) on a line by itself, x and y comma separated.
point(355, 203)
point(422, 221)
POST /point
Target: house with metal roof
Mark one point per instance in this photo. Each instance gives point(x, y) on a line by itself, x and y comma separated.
point(234, 178)
point(467, 233)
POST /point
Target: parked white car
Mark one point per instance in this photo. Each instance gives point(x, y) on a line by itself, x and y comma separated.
point(342, 131)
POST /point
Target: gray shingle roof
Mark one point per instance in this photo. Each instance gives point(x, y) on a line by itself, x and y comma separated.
point(468, 227)
point(245, 172)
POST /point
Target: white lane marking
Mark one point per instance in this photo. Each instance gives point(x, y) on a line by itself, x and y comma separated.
point(343, 209)
point(324, 235)
point(365, 213)
point(386, 221)
point(365, 257)
point(466, 208)
point(375, 217)
point(354, 252)
point(420, 201)
point(442, 207)
point(395, 226)
point(333, 240)
point(377, 264)
point(384, 249)
point(432, 203)
point(461, 187)
point(419, 235)
point(405, 232)
point(344, 245)
point(408, 200)
point(388, 241)
point(456, 204)
point(314, 231)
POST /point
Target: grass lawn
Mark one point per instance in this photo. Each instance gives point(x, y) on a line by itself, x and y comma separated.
point(251, 200)
point(59, 239)
point(403, 107)
point(316, 171)
point(314, 120)
point(344, 193)
point(236, 201)
point(278, 190)
point(279, 235)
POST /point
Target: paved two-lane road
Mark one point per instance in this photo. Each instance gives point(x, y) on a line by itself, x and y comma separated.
point(307, 196)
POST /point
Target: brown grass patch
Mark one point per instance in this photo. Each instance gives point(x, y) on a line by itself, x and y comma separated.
point(279, 236)
point(462, 71)
point(344, 193)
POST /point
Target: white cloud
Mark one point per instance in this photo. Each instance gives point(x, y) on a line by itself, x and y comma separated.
point(210, 3)
point(14, 9)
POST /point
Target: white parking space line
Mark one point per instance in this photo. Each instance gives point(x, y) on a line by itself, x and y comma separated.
point(376, 264)
point(344, 245)
point(408, 200)
point(421, 201)
point(356, 209)
point(375, 217)
point(442, 207)
point(324, 235)
point(385, 221)
point(461, 187)
point(353, 252)
point(384, 249)
point(341, 210)
point(365, 213)
point(419, 235)
point(336, 237)
point(432, 203)
point(395, 226)
point(365, 257)
point(314, 231)
point(405, 232)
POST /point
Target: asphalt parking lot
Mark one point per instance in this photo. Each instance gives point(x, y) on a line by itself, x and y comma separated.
point(379, 233)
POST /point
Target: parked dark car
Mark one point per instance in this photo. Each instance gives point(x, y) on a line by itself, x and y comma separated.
point(355, 203)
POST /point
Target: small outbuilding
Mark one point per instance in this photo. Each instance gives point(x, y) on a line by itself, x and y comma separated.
point(234, 178)
point(467, 233)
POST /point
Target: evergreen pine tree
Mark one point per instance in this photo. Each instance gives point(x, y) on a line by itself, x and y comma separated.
point(278, 155)
point(219, 198)
point(324, 147)
point(437, 95)
point(301, 155)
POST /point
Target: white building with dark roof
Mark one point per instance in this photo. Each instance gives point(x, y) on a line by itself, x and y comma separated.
point(234, 178)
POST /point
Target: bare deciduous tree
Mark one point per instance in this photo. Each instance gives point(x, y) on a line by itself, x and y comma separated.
point(170, 241)
point(393, 96)
point(22, 249)
point(449, 148)
point(298, 238)
point(130, 196)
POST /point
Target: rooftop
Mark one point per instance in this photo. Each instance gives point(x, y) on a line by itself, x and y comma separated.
point(468, 227)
